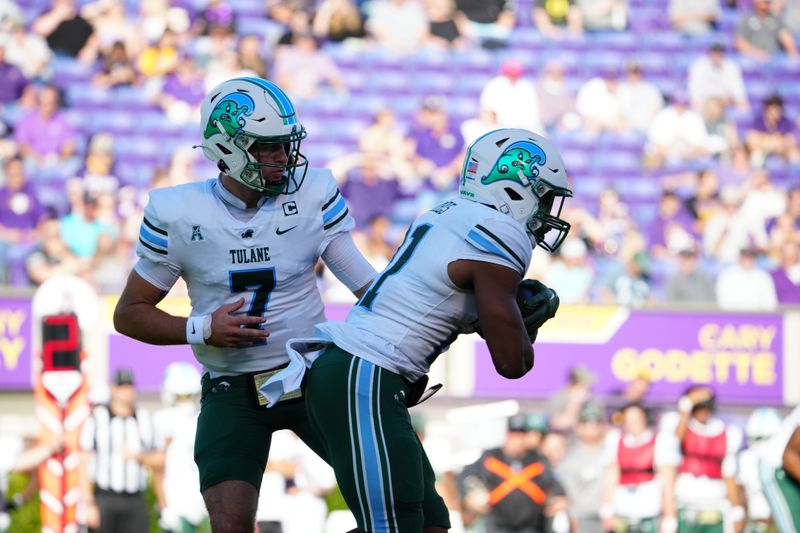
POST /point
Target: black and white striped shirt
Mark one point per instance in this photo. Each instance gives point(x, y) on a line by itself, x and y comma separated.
point(109, 437)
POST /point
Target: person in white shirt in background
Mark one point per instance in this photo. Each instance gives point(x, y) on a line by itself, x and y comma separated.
point(745, 286)
point(292, 492)
point(513, 98)
point(762, 424)
point(727, 231)
point(677, 133)
point(633, 496)
point(182, 506)
point(716, 76)
point(705, 493)
point(640, 99)
point(599, 104)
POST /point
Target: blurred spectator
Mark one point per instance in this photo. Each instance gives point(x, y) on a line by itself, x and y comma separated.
point(112, 25)
point(763, 201)
point(99, 165)
point(690, 284)
point(292, 489)
point(20, 209)
point(222, 67)
point(677, 134)
point(671, 229)
point(735, 166)
point(565, 405)
point(182, 92)
point(299, 24)
point(640, 100)
point(446, 24)
point(582, 472)
point(371, 190)
point(111, 262)
point(722, 133)
point(554, 447)
point(515, 466)
point(745, 286)
point(786, 226)
point(52, 256)
point(786, 276)
point(599, 104)
point(20, 214)
point(160, 58)
point(762, 424)
point(398, 25)
point(761, 34)
point(600, 15)
point(772, 133)
point(556, 98)
point(472, 128)
point(790, 12)
point(117, 69)
point(727, 231)
point(215, 15)
point(302, 68)
point(177, 482)
point(513, 98)
point(704, 202)
point(633, 392)
point(283, 10)
point(612, 224)
point(66, 31)
point(338, 20)
point(632, 287)
point(81, 228)
point(44, 135)
point(707, 468)
point(716, 76)
point(557, 18)
point(570, 274)
point(117, 440)
point(13, 79)
point(632, 498)
point(694, 16)
point(27, 50)
point(437, 144)
point(383, 140)
point(16, 458)
point(251, 56)
point(488, 21)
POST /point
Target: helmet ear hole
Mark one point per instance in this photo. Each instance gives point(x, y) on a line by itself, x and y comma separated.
point(514, 195)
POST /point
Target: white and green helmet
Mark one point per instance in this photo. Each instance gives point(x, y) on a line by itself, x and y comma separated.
point(521, 174)
point(241, 114)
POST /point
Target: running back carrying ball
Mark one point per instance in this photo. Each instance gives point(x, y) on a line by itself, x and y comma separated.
point(537, 303)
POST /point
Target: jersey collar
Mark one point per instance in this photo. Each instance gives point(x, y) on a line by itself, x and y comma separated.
point(231, 199)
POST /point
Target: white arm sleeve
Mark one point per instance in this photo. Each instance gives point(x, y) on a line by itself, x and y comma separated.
point(347, 263)
point(159, 275)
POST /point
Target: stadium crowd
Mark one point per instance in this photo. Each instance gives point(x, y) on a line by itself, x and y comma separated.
point(678, 121)
point(685, 170)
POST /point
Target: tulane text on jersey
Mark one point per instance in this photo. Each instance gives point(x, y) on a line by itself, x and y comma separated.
point(249, 255)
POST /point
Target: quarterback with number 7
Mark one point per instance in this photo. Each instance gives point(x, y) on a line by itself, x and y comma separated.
point(459, 270)
point(246, 244)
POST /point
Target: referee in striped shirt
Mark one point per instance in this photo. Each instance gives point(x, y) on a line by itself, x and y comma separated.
point(117, 441)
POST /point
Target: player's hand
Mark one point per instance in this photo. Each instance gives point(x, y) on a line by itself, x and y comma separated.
point(229, 330)
point(539, 307)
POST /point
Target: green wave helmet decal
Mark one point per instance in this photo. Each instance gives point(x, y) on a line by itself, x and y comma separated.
point(229, 113)
point(523, 155)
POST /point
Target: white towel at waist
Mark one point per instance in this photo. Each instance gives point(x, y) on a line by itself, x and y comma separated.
point(302, 354)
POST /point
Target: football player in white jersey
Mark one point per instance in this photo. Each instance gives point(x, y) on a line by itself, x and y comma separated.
point(246, 244)
point(460, 267)
point(781, 481)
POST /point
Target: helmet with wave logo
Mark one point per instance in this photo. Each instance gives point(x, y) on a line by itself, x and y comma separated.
point(244, 118)
point(521, 174)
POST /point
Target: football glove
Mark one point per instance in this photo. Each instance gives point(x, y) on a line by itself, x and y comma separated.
point(538, 307)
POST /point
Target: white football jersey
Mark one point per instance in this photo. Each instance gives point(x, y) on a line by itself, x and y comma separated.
point(269, 260)
point(412, 311)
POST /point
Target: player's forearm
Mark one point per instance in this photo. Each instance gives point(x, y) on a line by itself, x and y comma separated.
point(147, 323)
